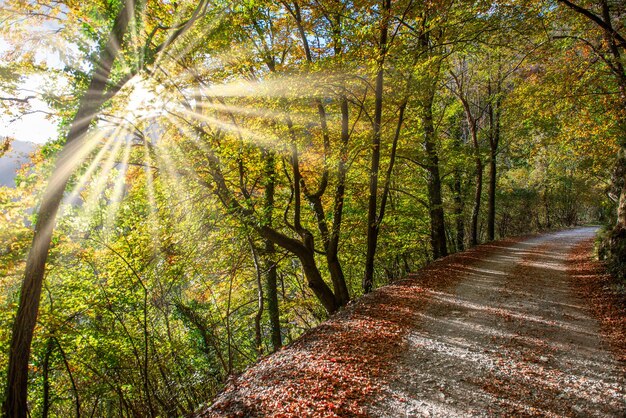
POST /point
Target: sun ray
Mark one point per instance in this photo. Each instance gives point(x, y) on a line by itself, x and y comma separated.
point(241, 110)
point(69, 159)
point(118, 190)
point(293, 87)
point(97, 188)
point(152, 204)
point(250, 135)
point(86, 176)
point(175, 180)
point(201, 8)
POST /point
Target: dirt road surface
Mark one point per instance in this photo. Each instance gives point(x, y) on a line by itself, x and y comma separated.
point(510, 339)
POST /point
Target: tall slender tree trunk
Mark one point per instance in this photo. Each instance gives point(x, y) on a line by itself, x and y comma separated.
point(332, 250)
point(70, 375)
point(477, 197)
point(15, 405)
point(494, 142)
point(258, 334)
point(478, 187)
point(373, 225)
point(271, 279)
point(269, 252)
point(617, 238)
point(472, 124)
point(491, 198)
point(621, 205)
point(437, 223)
point(458, 211)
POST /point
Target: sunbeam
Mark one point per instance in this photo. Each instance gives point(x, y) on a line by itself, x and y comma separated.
point(97, 188)
point(94, 164)
point(249, 135)
point(118, 190)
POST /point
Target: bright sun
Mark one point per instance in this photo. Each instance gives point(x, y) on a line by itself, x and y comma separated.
point(143, 100)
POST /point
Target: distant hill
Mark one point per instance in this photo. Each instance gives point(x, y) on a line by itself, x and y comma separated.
point(13, 160)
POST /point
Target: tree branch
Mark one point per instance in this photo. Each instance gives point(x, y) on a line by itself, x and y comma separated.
point(597, 20)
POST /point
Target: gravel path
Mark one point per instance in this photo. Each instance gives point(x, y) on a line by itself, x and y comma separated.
point(511, 339)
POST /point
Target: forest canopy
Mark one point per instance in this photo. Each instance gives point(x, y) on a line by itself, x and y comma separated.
point(226, 174)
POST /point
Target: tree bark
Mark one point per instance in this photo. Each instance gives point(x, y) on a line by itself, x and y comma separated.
point(478, 190)
point(494, 142)
point(269, 252)
point(491, 198)
point(621, 206)
point(437, 223)
point(258, 334)
point(472, 124)
point(458, 211)
point(477, 197)
point(306, 253)
point(271, 275)
point(332, 249)
point(372, 206)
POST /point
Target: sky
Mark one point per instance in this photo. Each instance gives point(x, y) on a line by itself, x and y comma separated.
point(34, 127)
point(30, 128)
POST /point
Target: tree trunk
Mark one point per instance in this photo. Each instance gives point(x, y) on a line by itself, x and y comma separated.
point(621, 206)
point(458, 211)
point(617, 238)
point(332, 250)
point(332, 260)
point(317, 284)
point(372, 207)
point(491, 199)
point(258, 334)
point(71, 377)
point(305, 250)
point(271, 275)
point(477, 196)
point(494, 142)
point(266, 268)
point(437, 223)
point(269, 252)
point(17, 377)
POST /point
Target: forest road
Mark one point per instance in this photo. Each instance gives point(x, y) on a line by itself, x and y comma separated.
point(510, 339)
